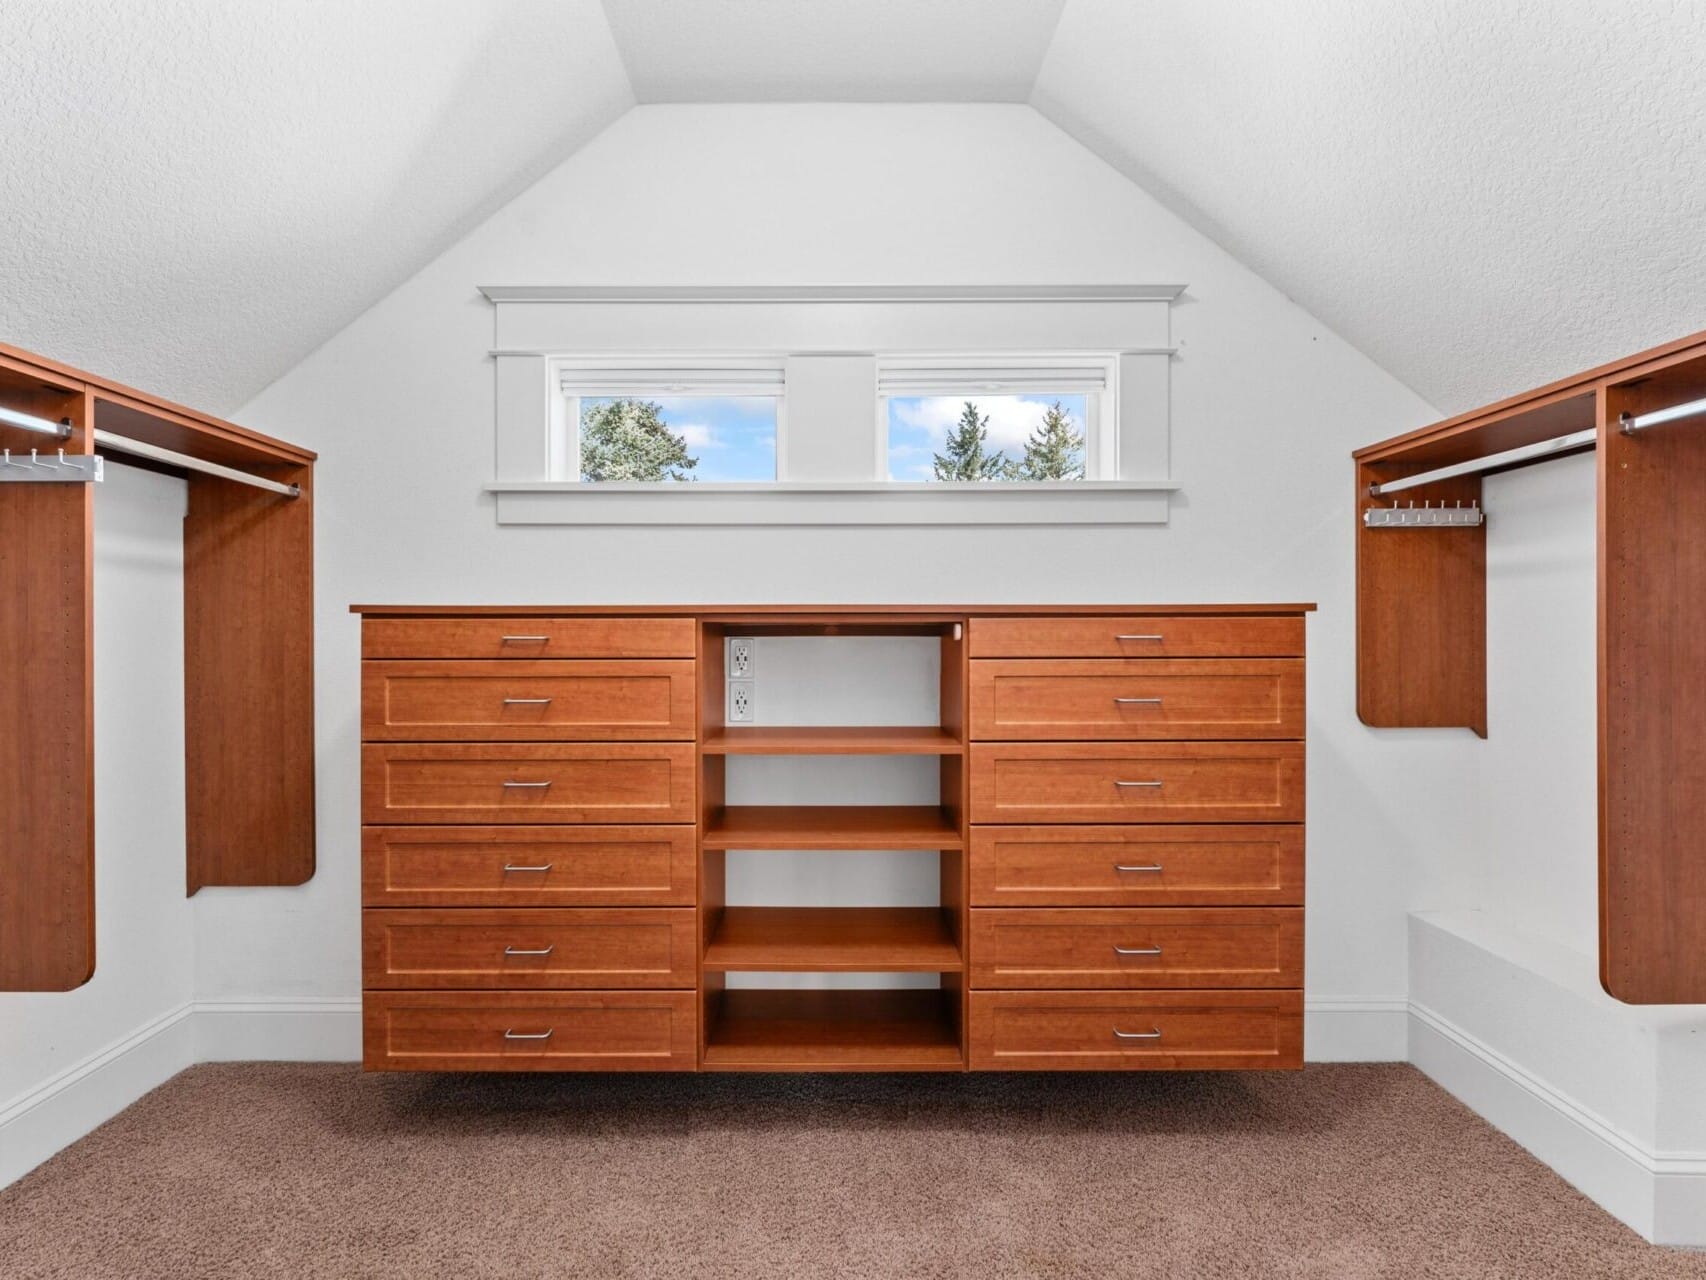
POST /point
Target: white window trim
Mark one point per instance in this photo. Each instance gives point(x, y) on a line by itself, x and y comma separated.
point(536, 326)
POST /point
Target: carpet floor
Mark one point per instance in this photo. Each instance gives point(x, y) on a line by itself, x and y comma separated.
point(319, 1171)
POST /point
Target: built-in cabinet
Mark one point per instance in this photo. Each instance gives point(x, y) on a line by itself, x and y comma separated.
point(1118, 835)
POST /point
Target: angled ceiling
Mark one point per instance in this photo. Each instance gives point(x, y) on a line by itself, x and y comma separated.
point(196, 193)
point(1481, 194)
point(835, 51)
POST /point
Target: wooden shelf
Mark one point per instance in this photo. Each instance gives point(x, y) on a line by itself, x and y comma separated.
point(834, 826)
point(833, 940)
point(812, 740)
point(834, 1031)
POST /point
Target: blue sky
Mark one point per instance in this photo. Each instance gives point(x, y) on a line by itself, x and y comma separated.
point(919, 426)
point(734, 437)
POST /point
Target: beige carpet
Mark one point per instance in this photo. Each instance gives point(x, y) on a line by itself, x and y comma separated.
point(311, 1171)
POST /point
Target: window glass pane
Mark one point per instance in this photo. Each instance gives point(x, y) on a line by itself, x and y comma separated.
point(987, 437)
point(684, 438)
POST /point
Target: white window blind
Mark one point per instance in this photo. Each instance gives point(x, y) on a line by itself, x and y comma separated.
point(663, 381)
point(921, 381)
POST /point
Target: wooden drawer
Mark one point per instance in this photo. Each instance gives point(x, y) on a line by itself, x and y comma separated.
point(523, 948)
point(522, 637)
point(527, 866)
point(1077, 866)
point(1178, 636)
point(1148, 782)
point(620, 782)
point(1179, 1030)
point(1089, 698)
point(1137, 947)
point(588, 1031)
point(527, 701)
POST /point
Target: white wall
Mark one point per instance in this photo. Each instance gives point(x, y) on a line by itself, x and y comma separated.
point(1267, 404)
point(143, 924)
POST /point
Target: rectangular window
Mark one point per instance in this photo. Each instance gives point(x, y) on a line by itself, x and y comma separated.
point(648, 424)
point(1042, 423)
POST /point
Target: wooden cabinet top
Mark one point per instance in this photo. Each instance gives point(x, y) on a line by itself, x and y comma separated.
point(823, 610)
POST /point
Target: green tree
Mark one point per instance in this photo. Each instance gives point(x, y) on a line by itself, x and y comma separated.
point(965, 458)
point(1055, 450)
point(629, 440)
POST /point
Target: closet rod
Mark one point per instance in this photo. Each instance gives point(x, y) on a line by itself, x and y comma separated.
point(29, 422)
point(1523, 453)
point(1630, 425)
point(184, 460)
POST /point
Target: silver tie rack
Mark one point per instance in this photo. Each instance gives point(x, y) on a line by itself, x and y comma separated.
point(62, 468)
point(1426, 516)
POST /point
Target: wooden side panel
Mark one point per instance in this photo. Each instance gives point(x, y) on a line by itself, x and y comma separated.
point(1652, 723)
point(47, 783)
point(249, 682)
point(1421, 614)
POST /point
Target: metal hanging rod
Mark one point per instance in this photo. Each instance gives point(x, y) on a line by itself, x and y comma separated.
point(29, 422)
point(1630, 425)
point(1523, 453)
point(155, 452)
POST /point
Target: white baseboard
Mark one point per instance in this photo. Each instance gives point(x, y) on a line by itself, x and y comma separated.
point(1662, 1195)
point(1355, 1029)
point(61, 1110)
point(69, 1106)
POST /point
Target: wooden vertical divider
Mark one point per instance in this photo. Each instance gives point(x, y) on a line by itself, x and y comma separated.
point(711, 863)
point(1652, 694)
point(955, 864)
point(248, 682)
point(47, 762)
point(1421, 613)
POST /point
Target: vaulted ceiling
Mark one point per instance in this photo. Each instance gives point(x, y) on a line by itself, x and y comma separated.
point(1481, 194)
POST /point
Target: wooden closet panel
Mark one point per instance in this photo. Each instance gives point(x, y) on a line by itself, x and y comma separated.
point(1136, 699)
point(488, 783)
point(527, 701)
point(527, 866)
point(1652, 694)
point(1136, 782)
point(249, 682)
point(1124, 947)
point(1132, 866)
point(47, 853)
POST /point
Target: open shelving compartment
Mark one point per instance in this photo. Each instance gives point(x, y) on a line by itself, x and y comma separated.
point(778, 1028)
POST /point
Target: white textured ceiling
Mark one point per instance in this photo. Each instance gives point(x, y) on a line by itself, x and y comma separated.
point(833, 50)
point(1482, 195)
point(195, 193)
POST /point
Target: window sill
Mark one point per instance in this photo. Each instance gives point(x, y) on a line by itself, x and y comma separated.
point(1103, 502)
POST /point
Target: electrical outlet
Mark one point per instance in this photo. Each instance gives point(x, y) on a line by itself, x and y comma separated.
point(740, 702)
point(740, 657)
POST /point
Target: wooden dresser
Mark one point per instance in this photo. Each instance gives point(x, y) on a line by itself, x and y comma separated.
point(1119, 831)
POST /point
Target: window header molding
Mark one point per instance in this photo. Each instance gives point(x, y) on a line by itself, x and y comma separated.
point(716, 294)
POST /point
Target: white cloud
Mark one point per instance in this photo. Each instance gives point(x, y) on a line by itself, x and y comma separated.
point(698, 435)
point(1011, 419)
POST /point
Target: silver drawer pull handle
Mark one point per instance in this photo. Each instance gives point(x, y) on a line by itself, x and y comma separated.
point(546, 784)
point(516, 866)
point(518, 951)
point(1137, 637)
point(1123, 784)
point(1119, 866)
point(533, 702)
point(527, 639)
point(529, 1035)
point(1137, 951)
point(1137, 1035)
point(1152, 701)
